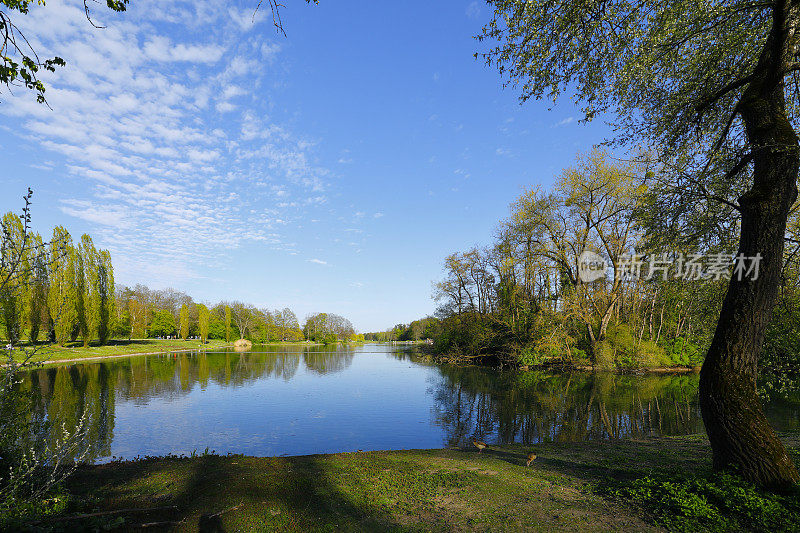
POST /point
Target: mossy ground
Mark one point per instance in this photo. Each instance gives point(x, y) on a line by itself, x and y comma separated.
point(566, 489)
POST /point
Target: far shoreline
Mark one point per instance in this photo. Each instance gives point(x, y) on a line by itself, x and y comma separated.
point(153, 349)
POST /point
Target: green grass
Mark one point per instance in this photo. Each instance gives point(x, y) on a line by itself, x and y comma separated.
point(592, 486)
point(119, 347)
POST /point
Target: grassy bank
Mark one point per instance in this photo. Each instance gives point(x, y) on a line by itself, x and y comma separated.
point(120, 347)
point(636, 485)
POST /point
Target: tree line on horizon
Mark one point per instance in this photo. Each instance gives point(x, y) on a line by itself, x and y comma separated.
point(416, 330)
point(146, 312)
point(63, 292)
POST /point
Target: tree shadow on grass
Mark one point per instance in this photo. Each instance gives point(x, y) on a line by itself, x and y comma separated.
point(214, 494)
point(236, 493)
point(600, 460)
point(621, 460)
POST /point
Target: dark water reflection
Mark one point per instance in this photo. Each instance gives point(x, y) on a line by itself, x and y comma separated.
point(299, 400)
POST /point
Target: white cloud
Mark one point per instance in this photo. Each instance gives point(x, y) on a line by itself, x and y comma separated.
point(246, 19)
point(160, 48)
point(224, 107)
point(568, 120)
point(166, 164)
point(473, 10)
point(317, 261)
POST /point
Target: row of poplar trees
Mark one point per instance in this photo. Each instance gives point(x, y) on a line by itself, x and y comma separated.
point(64, 290)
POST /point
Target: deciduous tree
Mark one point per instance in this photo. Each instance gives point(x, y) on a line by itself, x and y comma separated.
point(712, 89)
point(61, 292)
point(203, 319)
point(184, 321)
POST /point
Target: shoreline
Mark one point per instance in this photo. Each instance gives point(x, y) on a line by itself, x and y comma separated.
point(164, 351)
point(445, 359)
point(117, 356)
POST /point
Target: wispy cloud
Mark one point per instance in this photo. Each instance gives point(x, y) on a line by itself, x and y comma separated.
point(568, 120)
point(317, 261)
point(167, 134)
point(473, 10)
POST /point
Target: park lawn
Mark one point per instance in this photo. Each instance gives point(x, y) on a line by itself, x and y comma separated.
point(570, 487)
point(121, 347)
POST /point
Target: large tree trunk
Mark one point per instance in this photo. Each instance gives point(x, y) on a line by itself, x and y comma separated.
point(741, 438)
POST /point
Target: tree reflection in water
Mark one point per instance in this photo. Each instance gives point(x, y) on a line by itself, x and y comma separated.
point(367, 405)
point(534, 407)
point(67, 394)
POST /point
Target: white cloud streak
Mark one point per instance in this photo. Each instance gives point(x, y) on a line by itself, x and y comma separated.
point(165, 133)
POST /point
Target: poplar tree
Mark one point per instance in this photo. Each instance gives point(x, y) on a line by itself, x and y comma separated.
point(76, 273)
point(99, 289)
point(37, 295)
point(106, 302)
point(60, 292)
point(228, 319)
point(712, 89)
point(12, 293)
point(203, 319)
point(184, 319)
point(91, 296)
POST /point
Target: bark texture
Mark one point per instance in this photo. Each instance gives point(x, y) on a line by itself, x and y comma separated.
point(741, 437)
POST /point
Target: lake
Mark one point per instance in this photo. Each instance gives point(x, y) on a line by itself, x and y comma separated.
point(295, 400)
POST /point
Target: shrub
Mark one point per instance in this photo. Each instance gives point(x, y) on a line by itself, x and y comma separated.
point(650, 355)
point(681, 351)
point(579, 356)
point(622, 350)
point(604, 355)
point(529, 356)
point(34, 458)
point(722, 502)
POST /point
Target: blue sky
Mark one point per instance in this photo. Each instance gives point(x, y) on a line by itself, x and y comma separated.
point(330, 170)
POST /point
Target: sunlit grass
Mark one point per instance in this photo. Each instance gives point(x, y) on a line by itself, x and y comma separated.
point(118, 347)
point(587, 486)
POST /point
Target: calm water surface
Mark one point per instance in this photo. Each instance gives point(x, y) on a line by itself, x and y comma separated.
point(303, 400)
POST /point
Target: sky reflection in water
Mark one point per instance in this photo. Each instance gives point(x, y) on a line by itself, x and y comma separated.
point(304, 400)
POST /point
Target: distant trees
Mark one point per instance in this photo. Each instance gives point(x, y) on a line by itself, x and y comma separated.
point(328, 328)
point(136, 308)
point(424, 328)
point(139, 311)
point(244, 316)
point(69, 293)
point(162, 323)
